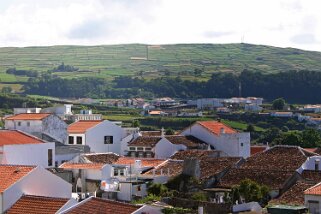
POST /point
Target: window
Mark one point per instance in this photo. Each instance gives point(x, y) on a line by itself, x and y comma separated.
point(28, 123)
point(316, 165)
point(132, 148)
point(49, 157)
point(71, 140)
point(115, 172)
point(79, 140)
point(140, 148)
point(108, 139)
point(148, 149)
point(121, 172)
point(19, 123)
point(241, 144)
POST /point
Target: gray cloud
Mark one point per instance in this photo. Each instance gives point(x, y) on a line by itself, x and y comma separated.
point(303, 39)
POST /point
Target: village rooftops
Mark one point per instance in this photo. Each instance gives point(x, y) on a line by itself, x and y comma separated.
point(14, 137)
point(145, 141)
point(98, 205)
point(216, 127)
point(68, 165)
point(293, 196)
point(106, 158)
point(169, 168)
point(82, 126)
point(28, 116)
point(257, 149)
point(315, 190)
point(146, 162)
point(37, 205)
point(311, 175)
point(10, 174)
point(198, 154)
point(285, 158)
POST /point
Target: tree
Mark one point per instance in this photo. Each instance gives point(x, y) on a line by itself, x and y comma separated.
point(250, 191)
point(290, 138)
point(169, 131)
point(6, 90)
point(157, 189)
point(278, 104)
point(250, 128)
point(311, 138)
point(135, 123)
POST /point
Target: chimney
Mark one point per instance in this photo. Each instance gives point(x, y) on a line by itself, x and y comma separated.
point(200, 210)
point(162, 132)
point(222, 130)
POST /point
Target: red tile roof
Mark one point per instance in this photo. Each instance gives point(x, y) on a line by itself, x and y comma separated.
point(68, 165)
point(182, 155)
point(10, 174)
point(106, 158)
point(315, 190)
point(311, 175)
point(257, 149)
point(28, 116)
point(82, 126)
point(14, 137)
point(146, 162)
point(29, 204)
point(169, 168)
point(190, 142)
point(216, 127)
point(145, 141)
point(293, 196)
point(103, 206)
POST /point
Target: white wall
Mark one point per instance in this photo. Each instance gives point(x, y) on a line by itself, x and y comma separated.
point(165, 149)
point(95, 137)
point(228, 143)
point(35, 125)
point(56, 128)
point(28, 154)
point(315, 198)
point(309, 164)
point(149, 209)
point(38, 182)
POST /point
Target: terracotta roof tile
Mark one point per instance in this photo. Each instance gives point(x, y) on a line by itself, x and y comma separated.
point(106, 158)
point(182, 155)
point(14, 137)
point(103, 206)
point(169, 168)
point(315, 190)
point(146, 162)
point(274, 179)
point(257, 149)
point(215, 127)
point(190, 142)
point(28, 116)
point(145, 141)
point(293, 196)
point(37, 205)
point(10, 174)
point(82, 126)
point(278, 158)
point(151, 133)
point(312, 176)
point(68, 165)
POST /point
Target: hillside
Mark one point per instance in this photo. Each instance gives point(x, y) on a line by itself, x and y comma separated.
point(108, 61)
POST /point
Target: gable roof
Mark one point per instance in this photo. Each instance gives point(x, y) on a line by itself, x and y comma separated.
point(14, 137)
point(10, 174)
point(82, 126)
point(37, 205)
point(293, 196)
point(169, 168)
point(215, 127)
point(146, 162)
point(145, 141)
point(94, 205)
point(311, 175)
point(189, 141)
point(28, 116)
point(68, 165)
point(105, 158)
point(315, 190)
point(182, 155)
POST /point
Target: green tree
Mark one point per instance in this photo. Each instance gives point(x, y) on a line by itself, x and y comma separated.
point(278, 104)
point(135, 123)
point(157, 189)
point(290, 138)
point(6, 90)
point(169, 131)
point(251, 191)
point(250, 128)
point(311, 138)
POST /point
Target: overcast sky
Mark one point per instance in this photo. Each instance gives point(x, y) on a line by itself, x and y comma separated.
point(283, 23)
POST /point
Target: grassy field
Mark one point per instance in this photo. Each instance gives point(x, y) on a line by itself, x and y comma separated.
point(151, 61)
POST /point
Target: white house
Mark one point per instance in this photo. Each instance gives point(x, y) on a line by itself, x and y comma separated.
point(17, 180)
point(100, 136)
point(210, 103)
point(221, 137)
point(26, 110)
point(20, 148)
point(61, 111)
point(282, 114)
point(312, 163)
point(312, 199)
point(38, 124)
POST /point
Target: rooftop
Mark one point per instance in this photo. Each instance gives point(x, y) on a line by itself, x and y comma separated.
point(182, 155)
point(37, 205)
point(106, 158)
point(169, 168)
point(82, 126)
point(14, 137)
point(188, 141)
point(311, 175)
point(257, 149)
point(294, 195)
point(103, 206)
point(215, 127)
point(146, 162)
point(10, 174)
point(315, 190)
point(68, 165)
point(145, 141)
point(28, 116)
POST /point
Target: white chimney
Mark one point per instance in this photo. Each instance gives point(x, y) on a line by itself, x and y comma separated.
point(200, 210)
point(162, 132)
point(222, 130)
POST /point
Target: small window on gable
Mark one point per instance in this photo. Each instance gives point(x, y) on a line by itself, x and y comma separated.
point(19, 123)
point(115, 172)
point(28, 123)
point(316, 165)
point(79, 140)
point(71, 140)
point(242, 144)
point(108, 139)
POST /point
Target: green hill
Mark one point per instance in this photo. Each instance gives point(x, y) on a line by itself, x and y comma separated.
point(108, 61)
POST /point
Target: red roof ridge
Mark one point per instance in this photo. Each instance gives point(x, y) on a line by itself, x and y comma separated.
point(314, 190)
point(79, 127)
point(8, 135)
point(28, 116)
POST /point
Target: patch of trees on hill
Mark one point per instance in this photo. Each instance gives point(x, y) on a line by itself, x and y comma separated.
point(28, 73)
point(294, 86)
point(65, 68)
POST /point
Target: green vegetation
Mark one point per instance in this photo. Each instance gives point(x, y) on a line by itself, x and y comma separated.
point(278, 104)
point(177, 210)
point(148, 199)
